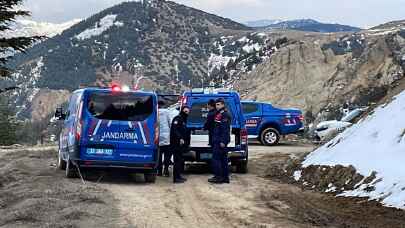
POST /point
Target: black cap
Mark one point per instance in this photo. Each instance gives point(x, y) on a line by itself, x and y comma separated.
point(220, 100)
point(211, 102)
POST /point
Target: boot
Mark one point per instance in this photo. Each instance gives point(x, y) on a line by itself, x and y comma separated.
point(178, 181)
point(214, 180)
point(166, 172)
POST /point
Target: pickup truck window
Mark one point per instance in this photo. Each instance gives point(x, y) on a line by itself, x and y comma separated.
point(199, 111)
point(250, 108)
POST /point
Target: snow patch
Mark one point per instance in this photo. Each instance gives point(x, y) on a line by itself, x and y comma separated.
point(103, 25)
point(297, 175)
point(32, 94)
point(244, 40)
point(331, 188)
point(218, 61)
point(375, 144)
point(36, 71)
point(251, 48)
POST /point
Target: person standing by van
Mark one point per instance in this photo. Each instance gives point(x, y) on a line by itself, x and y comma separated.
point(164, 141)
point(221, 139)
point(209, 124)
point(179, 141)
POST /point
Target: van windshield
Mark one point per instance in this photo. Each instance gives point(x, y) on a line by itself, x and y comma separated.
point(122, 107)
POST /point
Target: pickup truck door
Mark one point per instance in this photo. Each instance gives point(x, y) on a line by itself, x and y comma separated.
point(253, 117)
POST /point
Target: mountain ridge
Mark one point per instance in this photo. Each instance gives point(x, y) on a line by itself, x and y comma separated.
point(311, 25)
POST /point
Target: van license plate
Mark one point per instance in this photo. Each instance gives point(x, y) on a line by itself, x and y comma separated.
point(99, 151)
point(205, 156)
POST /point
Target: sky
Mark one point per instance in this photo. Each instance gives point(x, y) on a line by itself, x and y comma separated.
point(361, 13)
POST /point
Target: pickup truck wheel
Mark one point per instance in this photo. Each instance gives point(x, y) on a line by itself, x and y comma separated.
point(70, 171)
point(242, 167)
point(150, 177)
point(270, 137)
point(61, 163)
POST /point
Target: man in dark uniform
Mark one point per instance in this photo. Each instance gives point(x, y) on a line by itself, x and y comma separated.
point(179, 142)
point(221, 139)
point(209, 124)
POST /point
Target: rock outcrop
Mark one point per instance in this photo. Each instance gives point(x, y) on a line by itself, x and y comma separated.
point(319, 73)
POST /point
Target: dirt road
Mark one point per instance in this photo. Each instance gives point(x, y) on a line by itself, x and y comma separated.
point(198, 203)
point(33, 193)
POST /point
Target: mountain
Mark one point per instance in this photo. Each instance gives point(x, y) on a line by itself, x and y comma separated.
point(310, 25)
point(262, 23)
point(33, 28)
point(167, 43)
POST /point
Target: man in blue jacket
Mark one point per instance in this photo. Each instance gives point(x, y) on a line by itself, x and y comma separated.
point(221, 139)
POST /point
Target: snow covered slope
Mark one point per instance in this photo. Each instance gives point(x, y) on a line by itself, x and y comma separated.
point(375, 144)
point(33, 28)
point(28, 28)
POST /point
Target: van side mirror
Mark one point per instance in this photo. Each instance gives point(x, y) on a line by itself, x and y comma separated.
point(59, 114)
point(178, 108)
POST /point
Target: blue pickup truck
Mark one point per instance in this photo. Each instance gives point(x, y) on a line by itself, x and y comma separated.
point(200, 151)
point(269, 123)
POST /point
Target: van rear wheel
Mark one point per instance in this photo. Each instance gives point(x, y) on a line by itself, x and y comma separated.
point(270, 137)
point(70, 171)
point(150, 177)
point(241, 167)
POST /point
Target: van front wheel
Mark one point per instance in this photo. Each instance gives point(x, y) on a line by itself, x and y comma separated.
point(150, 177)
point(270, 137)
point(61, 163)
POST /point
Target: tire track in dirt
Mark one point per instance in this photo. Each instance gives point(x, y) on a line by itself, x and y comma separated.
point(163, 204)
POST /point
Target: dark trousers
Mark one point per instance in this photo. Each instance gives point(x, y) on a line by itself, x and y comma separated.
point(164, 157)
point(168, 157)
point(178, 166)
point(220, 162)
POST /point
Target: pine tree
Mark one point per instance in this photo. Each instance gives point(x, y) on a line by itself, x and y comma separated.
point(8, 125)
point(8, 15)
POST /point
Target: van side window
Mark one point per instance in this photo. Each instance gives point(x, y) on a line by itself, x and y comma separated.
point(72, 105)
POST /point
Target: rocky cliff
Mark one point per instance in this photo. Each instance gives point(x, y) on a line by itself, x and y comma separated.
point(319, 73)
